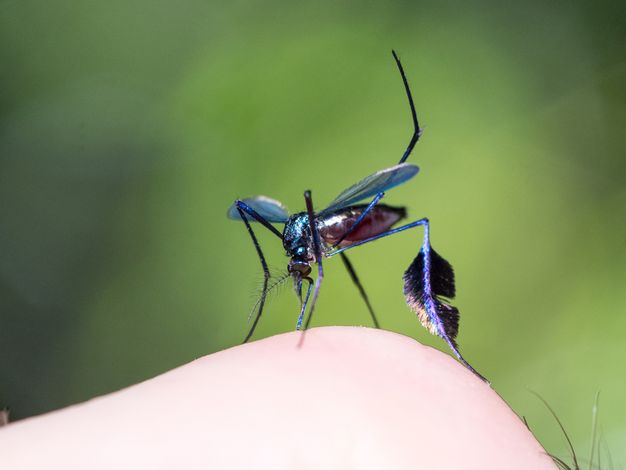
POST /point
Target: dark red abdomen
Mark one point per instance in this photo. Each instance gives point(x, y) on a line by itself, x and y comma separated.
point(378, 220)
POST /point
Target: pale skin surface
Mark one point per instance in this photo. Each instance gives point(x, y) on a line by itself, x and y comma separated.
point(349, 398)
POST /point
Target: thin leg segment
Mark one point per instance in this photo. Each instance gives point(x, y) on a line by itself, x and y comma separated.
point(417, 132)
point(425, 299)
point(305, 303)
point(266, 273)
point(242, 206)
point(417, 223)
point(317, 249)
point(359, 286)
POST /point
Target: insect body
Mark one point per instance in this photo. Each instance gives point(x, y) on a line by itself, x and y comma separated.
point(310, 237)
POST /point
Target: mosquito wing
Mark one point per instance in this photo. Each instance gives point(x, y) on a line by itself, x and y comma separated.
point(268, 208)
point(379, 182)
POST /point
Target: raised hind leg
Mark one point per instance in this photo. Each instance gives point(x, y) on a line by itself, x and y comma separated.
point(427, 279)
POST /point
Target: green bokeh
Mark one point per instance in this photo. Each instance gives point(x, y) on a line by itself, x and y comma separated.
point(128, 128)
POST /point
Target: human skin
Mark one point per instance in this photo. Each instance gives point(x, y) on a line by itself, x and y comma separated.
point(347, 398)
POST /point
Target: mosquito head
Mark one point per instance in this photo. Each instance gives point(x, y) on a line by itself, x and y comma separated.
point(298, 268)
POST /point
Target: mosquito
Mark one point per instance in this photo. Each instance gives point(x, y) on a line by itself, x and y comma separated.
point(309, 238)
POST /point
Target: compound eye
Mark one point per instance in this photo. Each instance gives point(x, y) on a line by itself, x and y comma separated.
point(300, 251)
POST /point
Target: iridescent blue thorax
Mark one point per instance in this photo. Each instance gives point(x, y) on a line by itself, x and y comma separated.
point(297, 238)
point(298, 243)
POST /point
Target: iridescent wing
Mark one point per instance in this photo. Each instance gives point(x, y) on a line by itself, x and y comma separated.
point(379, 182)
point(268, 208)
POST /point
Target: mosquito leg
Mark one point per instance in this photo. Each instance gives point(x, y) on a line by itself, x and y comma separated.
point(428, 276)
point(242, 206)
point(417, 132)
point(266, 273)
point(417, 223)
point(305, 303)
point(317, 249)
point(359, 286)
point(353, 227)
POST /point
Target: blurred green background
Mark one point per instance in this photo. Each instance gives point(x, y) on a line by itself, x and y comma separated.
point(127, 128)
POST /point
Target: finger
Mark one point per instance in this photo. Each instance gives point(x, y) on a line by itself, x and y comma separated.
point(348, 398)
